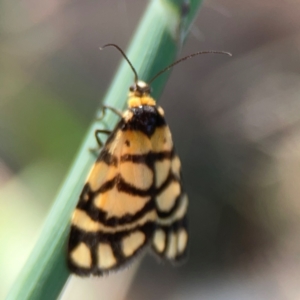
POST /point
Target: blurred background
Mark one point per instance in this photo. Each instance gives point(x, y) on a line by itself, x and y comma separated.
point(235, 122)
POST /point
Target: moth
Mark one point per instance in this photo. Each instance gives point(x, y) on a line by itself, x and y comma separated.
point(133, 197)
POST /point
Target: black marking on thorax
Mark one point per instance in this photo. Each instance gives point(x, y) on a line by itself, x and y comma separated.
point(145, 118)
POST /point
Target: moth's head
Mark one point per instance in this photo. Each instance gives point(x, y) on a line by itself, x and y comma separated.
point(139, 94)
point(140, 89)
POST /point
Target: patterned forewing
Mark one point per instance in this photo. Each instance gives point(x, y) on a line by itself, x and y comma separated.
point(115, 216)
point(171, 237)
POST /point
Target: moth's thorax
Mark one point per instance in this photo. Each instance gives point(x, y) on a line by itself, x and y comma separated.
point(145, 118)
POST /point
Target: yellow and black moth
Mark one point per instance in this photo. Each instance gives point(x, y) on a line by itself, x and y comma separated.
point(133, 197)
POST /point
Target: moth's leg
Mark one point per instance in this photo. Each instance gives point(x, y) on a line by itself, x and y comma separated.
point(97, 132)
point(95, 151)
point(103, 110)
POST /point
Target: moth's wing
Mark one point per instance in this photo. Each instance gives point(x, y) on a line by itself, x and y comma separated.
point(171, 236)
point(115, 216)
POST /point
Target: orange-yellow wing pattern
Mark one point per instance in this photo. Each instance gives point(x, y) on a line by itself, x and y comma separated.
point(132, 198)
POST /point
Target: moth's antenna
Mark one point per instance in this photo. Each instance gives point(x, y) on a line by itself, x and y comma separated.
point(136, 78)
point(185, 58)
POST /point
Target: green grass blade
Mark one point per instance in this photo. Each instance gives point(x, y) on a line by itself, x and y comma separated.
point(156, 44)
